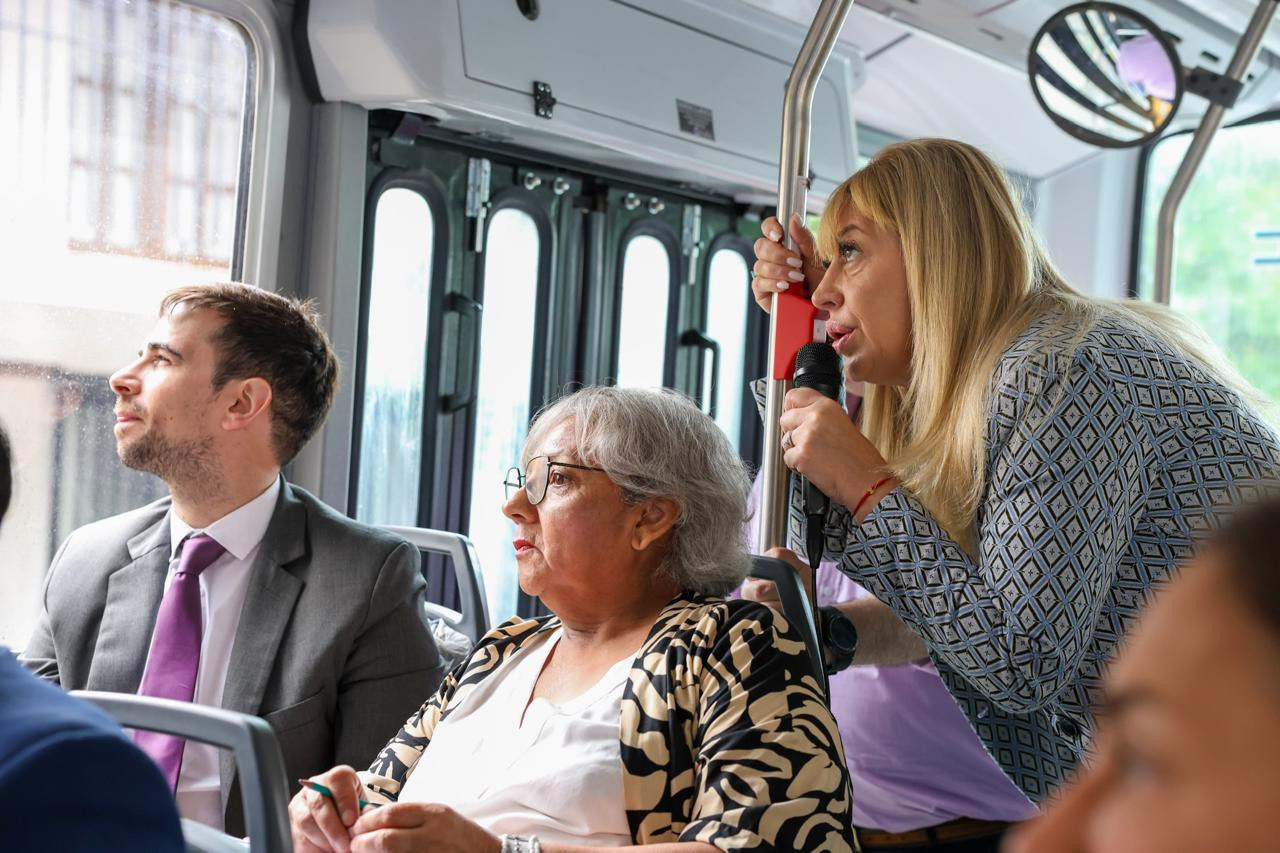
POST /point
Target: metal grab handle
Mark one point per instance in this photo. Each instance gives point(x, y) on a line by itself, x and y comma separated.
point(793, 171)
point(474, 620)
point(264, 789)
point(694, 338)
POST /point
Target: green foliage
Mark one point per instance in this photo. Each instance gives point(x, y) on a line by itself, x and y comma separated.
point(1216, 281)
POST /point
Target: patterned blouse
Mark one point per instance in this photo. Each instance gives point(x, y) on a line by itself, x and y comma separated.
point(1105, 462)
point(725, 734)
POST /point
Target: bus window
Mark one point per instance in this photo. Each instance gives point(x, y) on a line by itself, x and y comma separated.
point(395, 359)
point(502, 408)
point(728, 300)
point(1226, 265)
point(646, 297)
point(121, 169)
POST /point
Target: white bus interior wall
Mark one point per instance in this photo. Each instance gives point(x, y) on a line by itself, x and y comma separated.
point(902, 68)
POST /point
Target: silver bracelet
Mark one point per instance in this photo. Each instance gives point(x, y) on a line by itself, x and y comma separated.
point(516, 844)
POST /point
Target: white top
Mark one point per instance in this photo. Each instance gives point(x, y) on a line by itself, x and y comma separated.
point(556, 775)
point(222, 590)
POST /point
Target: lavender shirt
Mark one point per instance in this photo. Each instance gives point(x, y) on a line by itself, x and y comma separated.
point(913, 758)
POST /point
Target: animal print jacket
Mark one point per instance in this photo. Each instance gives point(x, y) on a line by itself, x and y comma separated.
point(725, 735)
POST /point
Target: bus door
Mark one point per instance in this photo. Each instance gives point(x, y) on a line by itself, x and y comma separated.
point(470, 278)
point(491, 283)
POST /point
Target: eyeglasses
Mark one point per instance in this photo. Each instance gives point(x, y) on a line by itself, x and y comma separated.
point(534, 478)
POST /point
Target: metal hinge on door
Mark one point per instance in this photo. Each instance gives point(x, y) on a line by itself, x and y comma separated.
point(690, 245)
point(477, 202)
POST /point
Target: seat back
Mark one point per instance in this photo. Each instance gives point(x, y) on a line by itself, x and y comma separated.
point(474, 618)
point(263, 785)
point(795, 605)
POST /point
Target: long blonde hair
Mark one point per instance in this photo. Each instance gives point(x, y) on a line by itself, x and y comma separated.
point(976, 277)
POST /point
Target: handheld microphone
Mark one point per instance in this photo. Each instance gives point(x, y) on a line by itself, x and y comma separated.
point(817, 367)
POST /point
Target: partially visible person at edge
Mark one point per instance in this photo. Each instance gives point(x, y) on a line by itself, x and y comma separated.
point(646, 710)
point(120, 798)
point(1187, 755)
point(1032, 461)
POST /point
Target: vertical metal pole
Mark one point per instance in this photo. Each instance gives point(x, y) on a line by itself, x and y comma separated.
point(1245, 53)
point(793, 184)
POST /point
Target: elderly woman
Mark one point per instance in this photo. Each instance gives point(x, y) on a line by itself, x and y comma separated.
point(1032, 461)
point(647, 710)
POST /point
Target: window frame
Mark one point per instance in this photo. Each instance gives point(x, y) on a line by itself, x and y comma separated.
point(666, 235)
point(755, 345)
point(1140, 190)
point(260, 201)
point(429, 188)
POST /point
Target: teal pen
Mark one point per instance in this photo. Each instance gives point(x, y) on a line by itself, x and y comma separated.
point(321, 789)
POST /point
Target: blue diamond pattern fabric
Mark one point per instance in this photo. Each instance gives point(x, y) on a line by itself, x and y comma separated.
point(1108, 456)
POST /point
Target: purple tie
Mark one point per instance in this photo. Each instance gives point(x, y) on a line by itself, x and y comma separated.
point(175, 649)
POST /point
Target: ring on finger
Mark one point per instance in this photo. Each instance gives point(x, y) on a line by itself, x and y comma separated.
point(787, 441)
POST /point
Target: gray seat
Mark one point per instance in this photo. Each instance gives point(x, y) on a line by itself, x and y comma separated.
point(263, 786)
point(795, 605)
point(474, 618)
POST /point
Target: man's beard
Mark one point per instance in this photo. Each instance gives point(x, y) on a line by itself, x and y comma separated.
point(179, 463)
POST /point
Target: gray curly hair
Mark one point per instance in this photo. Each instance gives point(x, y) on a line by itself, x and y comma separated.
point(656, 443)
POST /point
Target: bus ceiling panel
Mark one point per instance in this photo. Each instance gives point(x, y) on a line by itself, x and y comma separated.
point(688, 90)
point(1204, 31)
point(984, 103)
point(957, 68)
point(1234, 16)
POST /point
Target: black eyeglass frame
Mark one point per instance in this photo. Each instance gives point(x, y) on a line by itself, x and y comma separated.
point(522, 481)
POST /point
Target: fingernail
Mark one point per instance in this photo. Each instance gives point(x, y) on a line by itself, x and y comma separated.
point(795, 275)
point(782, 285)
point(795, 217)
point(795, 262)
point(775, 235)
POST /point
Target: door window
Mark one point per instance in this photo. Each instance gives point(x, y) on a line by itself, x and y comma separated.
point(646, 297)
point(728, 302)
point(395, 359)
point(507, 333)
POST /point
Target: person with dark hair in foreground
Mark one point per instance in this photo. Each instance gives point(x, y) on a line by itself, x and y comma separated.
point(240, 590)
point(120, 798)
point(1188, 750)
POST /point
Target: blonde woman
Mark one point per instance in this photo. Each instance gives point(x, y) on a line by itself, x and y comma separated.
point(1031, 461)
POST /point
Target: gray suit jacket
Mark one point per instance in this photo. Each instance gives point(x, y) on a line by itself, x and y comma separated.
point(332, 648)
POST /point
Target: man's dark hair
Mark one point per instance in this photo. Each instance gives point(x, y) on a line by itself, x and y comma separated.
point(6, 473)
point(278, 339)
point(1250, 543)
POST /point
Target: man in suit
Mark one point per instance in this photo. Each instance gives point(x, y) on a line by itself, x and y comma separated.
point(239, 590)
point(45, 734)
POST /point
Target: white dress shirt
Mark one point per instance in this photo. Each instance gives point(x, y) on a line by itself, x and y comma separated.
point(554, 771)
point(222, 590)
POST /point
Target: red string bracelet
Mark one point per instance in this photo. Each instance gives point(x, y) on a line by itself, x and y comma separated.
point(871, 491)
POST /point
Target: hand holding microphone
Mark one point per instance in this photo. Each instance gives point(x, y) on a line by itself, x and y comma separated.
point(823, 445)
point(817, 369)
